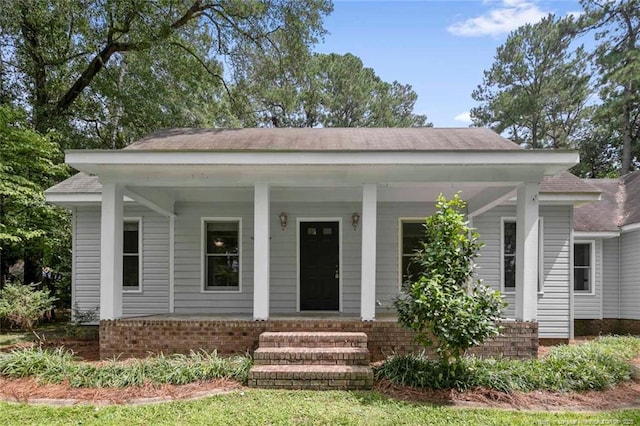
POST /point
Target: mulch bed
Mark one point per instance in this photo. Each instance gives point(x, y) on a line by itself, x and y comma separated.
point(626, 395)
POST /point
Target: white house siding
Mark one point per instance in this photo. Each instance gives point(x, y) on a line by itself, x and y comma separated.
point(630, 275)
point(553, 302)
point(611, 277)
point(189, 297)
point(589, 306)
point(154, 298)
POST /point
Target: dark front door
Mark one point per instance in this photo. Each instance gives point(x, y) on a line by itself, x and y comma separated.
point(319, 266)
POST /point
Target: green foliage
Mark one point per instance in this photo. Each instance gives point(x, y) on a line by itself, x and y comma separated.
point(23, 305)
point(445, 306)
point(597, 365)
point(55, 366)
point(537, 88)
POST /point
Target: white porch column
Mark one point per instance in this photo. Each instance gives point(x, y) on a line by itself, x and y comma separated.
point(368, 226)
point(111, 252)
point(261, 252)
point(527, 252)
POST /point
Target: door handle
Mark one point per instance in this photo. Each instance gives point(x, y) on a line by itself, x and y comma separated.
point(337, 272)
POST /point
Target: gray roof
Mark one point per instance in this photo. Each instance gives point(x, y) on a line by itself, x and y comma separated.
point(566, 182)
point(78, 183)
point(619, 205)
point(332, 139)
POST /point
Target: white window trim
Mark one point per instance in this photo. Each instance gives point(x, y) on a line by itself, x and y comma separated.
point(504, 220)
point(203, 253)
point(401, 220)
point(540, 254)
point(137, 219)
point(592, 267)
point(299, 220)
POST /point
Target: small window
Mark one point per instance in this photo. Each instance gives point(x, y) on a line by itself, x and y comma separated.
point(509, 254)
point(222, 256)
point(131, 255)
point(582, 267)
point(412, 234)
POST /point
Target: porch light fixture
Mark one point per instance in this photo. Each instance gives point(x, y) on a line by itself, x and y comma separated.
point(283, 220)
point(355, 220)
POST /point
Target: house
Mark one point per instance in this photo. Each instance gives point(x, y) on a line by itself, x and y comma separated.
point(264, 225)
point(607, 258)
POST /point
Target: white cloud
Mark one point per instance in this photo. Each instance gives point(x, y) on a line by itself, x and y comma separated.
point(464, 117)
point(505, 17)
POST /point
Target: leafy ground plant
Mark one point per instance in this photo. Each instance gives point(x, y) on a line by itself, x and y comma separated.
point(23, 305)
point(55, 366)
point(596, 365)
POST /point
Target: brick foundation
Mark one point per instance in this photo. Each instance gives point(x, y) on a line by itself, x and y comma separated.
point(587, 327)
point(138, 337)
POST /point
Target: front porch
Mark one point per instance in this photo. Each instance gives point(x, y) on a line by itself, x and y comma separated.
point(237, 334)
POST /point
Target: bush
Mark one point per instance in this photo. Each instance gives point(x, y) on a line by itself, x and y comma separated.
point(23, 305)
point(55, 366)
point(597, 365)
point(444, 306)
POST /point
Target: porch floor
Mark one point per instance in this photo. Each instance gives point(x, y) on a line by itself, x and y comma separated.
point(298, 316)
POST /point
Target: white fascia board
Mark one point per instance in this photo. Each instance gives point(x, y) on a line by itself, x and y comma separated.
point(560, 160)
point(581, 235)
point(74, 198)
point(562, 198)
point(630, 227)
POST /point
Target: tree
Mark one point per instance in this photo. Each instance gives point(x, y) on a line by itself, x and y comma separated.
point(617, 26)
point(537, 88)
point(444, 306)
point(55, 50)
point(328, 90)
point(29, 228)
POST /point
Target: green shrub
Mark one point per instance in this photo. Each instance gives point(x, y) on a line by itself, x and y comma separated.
point(597, 365)
point(23, 305)
point(444, 306)
point(54, 366)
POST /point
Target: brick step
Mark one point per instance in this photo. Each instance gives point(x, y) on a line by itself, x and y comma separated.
point(313, 339)
point(314, 377)
point(311, 356)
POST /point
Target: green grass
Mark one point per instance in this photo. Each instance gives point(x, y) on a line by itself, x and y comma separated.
point(596, 365)
point(54, 366)
point(258, 407)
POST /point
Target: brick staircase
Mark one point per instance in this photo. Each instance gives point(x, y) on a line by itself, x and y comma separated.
point(312, 360)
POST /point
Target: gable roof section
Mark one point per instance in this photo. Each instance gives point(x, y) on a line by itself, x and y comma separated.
point(324, 139)
point(619, 205)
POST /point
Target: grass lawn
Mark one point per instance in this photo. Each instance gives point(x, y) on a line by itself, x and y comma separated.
point(257, 407)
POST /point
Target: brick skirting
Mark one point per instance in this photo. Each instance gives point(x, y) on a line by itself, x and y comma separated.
point(139, 337)
point(593, 327)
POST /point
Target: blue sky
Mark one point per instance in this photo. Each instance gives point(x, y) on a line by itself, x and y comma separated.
point(439, 47)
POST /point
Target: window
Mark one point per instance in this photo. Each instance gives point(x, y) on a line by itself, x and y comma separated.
point(583, 267)
point(509, 254)
point(222, 255)
point(411, 235)
point(131, 259)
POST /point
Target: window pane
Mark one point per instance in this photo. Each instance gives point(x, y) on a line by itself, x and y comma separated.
point(130, 237)
point(222, 271)
point(581, 278)
point(222, 237)
point(582, 254)
point(509, 271)
point(412, 235)
point(509, 237)
point(410, 270)
point(130, 272)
